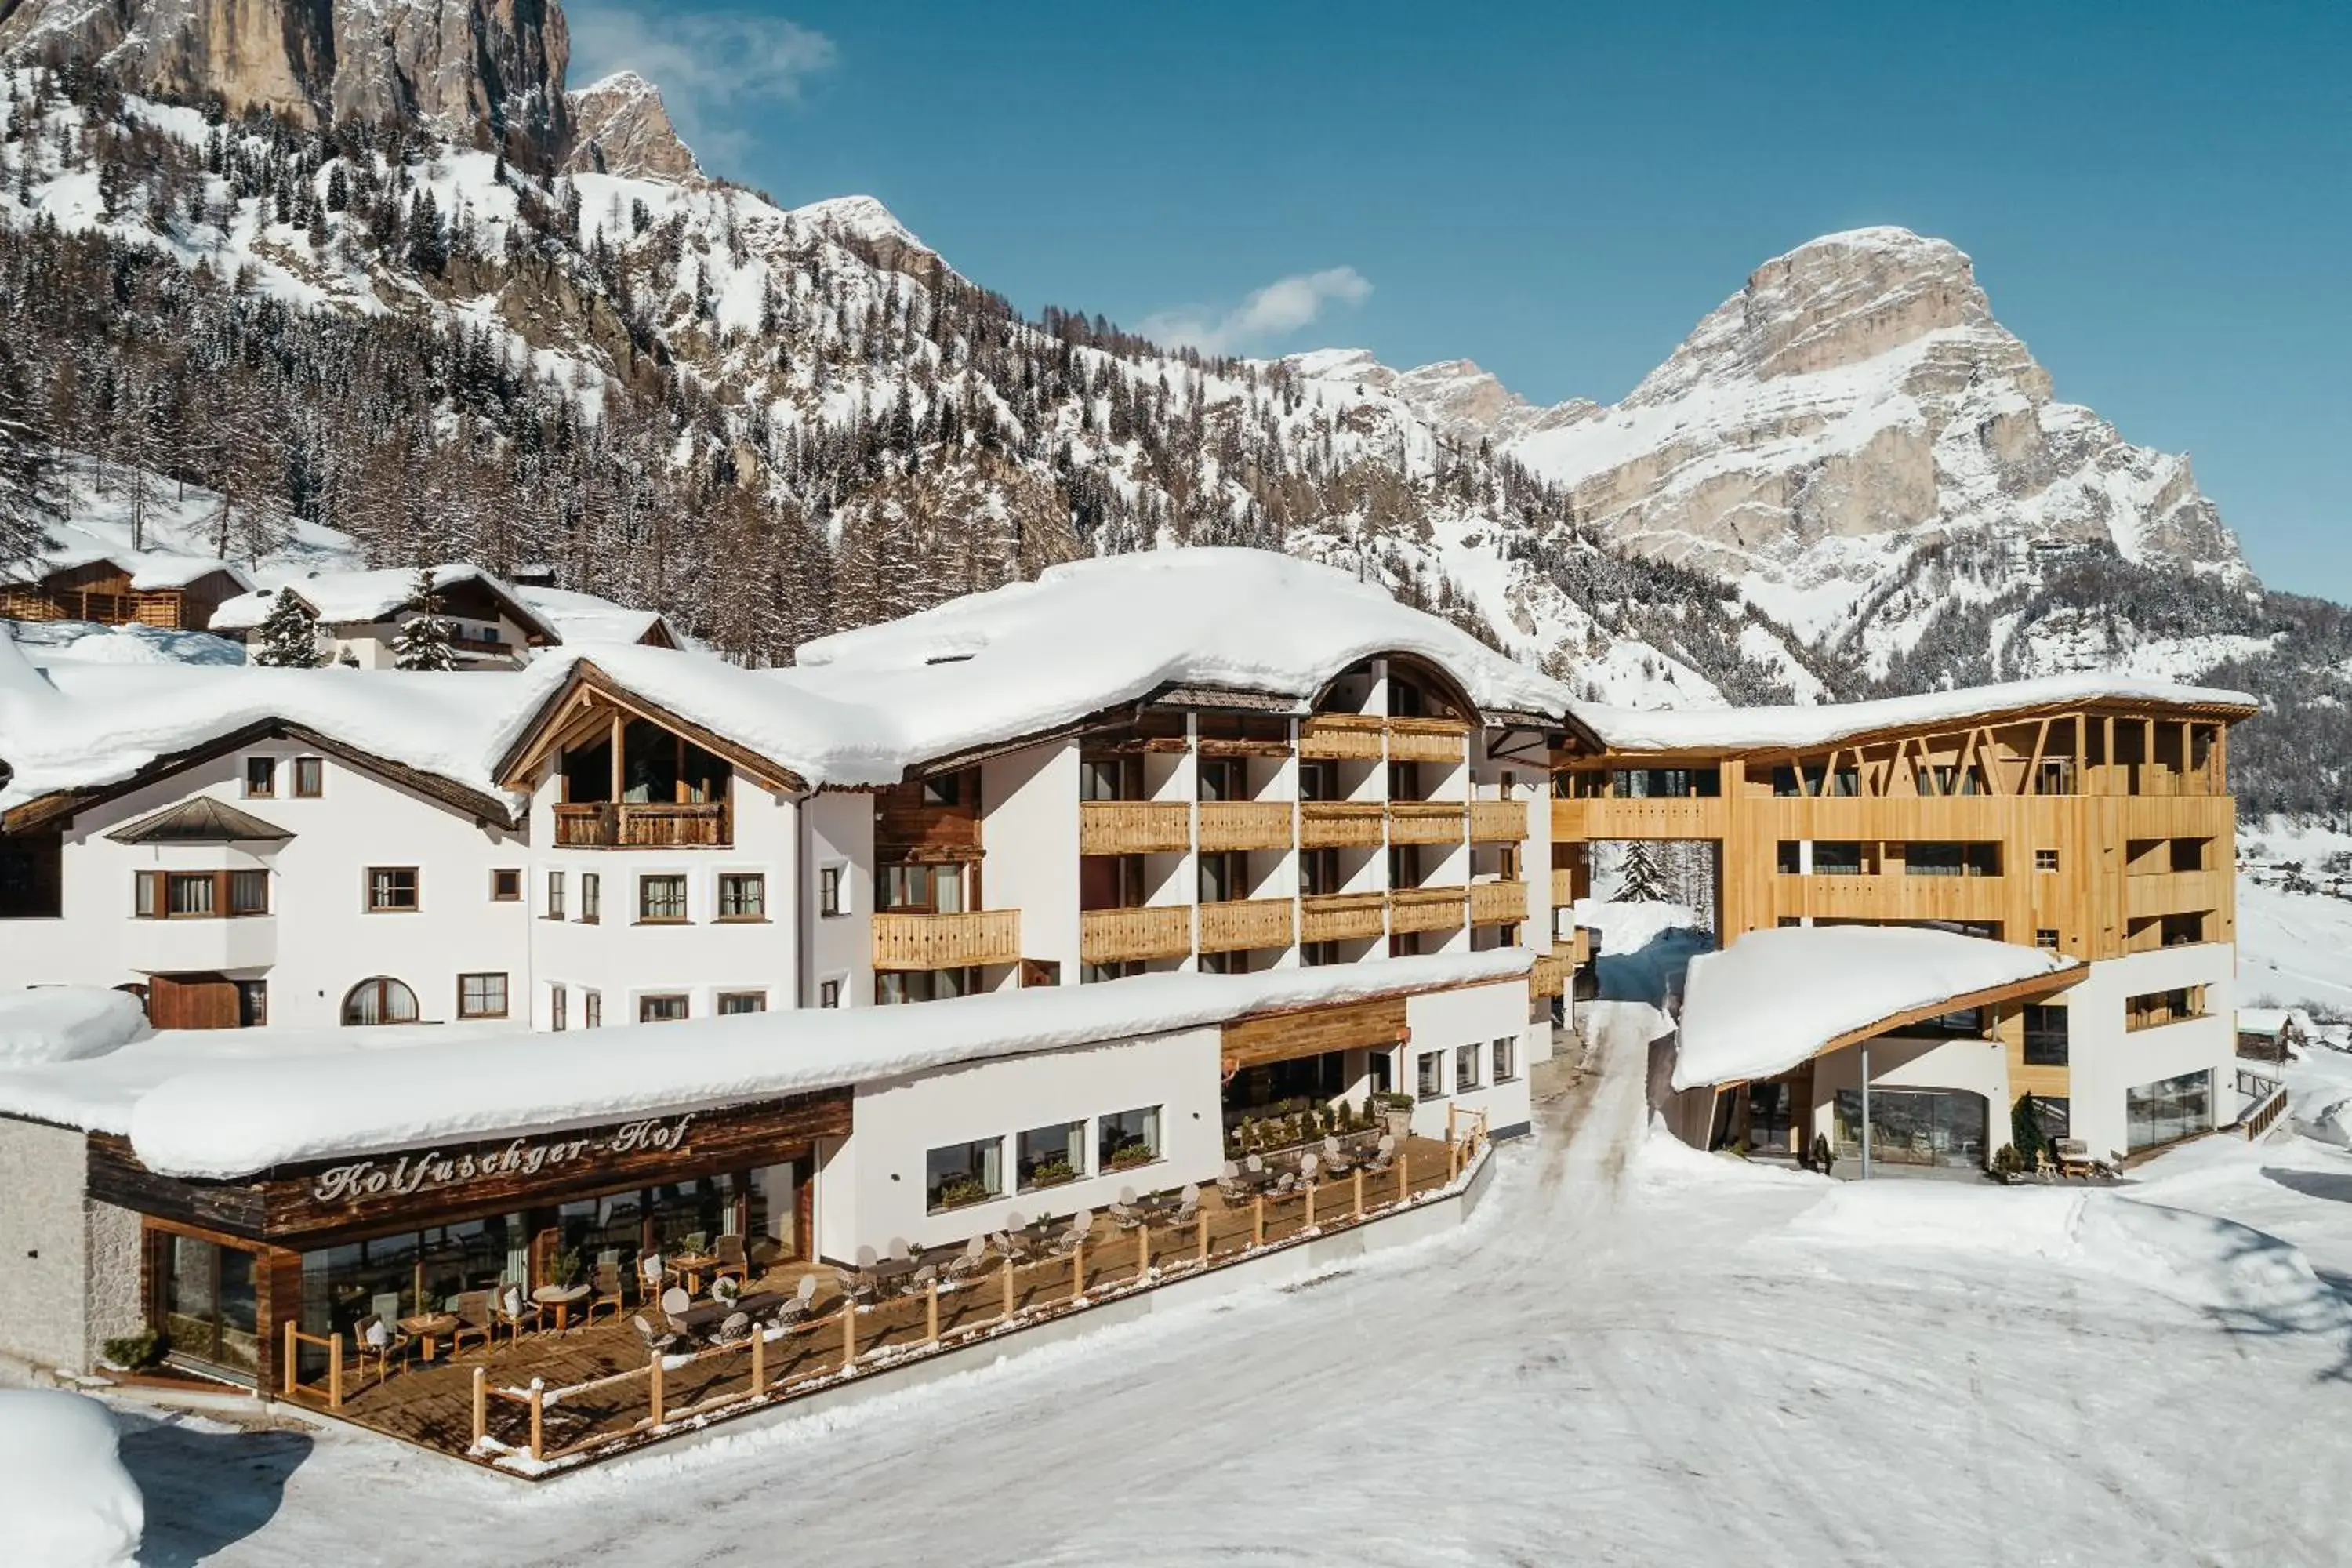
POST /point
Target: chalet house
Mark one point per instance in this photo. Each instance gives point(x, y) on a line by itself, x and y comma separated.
point(172, 592)
point(360, 615)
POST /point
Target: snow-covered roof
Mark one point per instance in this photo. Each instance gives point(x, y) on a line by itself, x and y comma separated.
point(148, 571)
point(1774, 998)
point(586, 618)
point(1762, 728)
point(358, 598)
point(233, 1118)
point(2273, 1020)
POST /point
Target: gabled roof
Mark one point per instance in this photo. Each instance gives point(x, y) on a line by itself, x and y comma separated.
point(358, 598)
point(199, 819)
point(148, 571)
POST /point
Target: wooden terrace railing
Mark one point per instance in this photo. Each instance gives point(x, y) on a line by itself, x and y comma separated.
point(1244, 825)
point(1498, 903)
point(1427, 821)
point(946, 942)
point(1340, 917)
point(1498, 821)
point(644, 824)
point(1134, 826)
point(1119, 936)
point(1335, 824)
point(1244, 923)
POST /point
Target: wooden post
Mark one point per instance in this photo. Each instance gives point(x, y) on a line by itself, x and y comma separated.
point(1359, 1192)
point(1008, 1288)
point(1201, 1227)
point(335, 1371)
point(1078, 1270)
point(537, 1419)
point(287, 1387)
point(654, 1387)
point(1257, 1220)
point(1403, 1188)
point(614, 794)
point(848, 1336)
point(758, 1360)
point(1142, 1252)
point(1310, 1205)
point(931, 1314)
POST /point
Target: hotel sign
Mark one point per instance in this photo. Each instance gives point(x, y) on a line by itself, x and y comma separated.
point(434, 1171)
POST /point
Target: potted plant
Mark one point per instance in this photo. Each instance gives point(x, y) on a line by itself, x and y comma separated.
point(959, 1191)
point(1397, 1106)
point(137, 1353)
point(1127, 1157)
point(563, 1269)
point(1051, 1173)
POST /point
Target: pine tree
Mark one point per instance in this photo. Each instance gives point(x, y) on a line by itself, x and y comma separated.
point(422, 642)
point(28, 499)
point(288, 635)
point(1639, 879)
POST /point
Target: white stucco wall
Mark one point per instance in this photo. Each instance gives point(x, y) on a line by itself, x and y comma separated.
point(1029, 829)
point(875, 1185)
point(2106, 1059)
point(838, 830)
point(1443, 1020)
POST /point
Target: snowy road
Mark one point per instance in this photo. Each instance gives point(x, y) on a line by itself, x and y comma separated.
point(1635, 1354)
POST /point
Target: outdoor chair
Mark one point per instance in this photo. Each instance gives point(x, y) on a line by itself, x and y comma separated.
point(737, 1326)
point(514, 1310)
point(922, 1279)
point(654, 1341)
point(797, 1305)
point(1335, 1158)
point(606, 1292)
point(1082, 1225)
point(1307, 1165)
point(1189, 1208)
point(380, 1341)
point(971, 1260)
point(728, 1251)
point(675, 1304)
point(1229, 1182)
point(652, 1273)
point(472, 1309)
point(1283, 1185)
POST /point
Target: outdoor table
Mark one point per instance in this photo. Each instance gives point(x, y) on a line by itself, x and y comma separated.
point(428, 1327)
point(708, 1314)
point(560, 1298)
point(689, 1266)
point(890, 1270)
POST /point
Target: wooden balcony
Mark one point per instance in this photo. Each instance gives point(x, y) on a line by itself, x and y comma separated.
point(644, 824)
point(1498, 903)
point(946, 941)
point(1563, 887)
point(1244, 825)
point(1244, 923)
point(1891, 896)
point(1428, 740)
point(1119, 936)
point(2177, 893)
point(1134, 826)
point(1426, 821)
point(1332, 823)
point(1339, 917)
point(1344, 735)
point(1693, 816)
point(1498, 821)
point(1550, 976)
point(1426, 908)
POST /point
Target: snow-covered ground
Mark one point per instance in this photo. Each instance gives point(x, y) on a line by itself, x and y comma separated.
point(1634, 1353)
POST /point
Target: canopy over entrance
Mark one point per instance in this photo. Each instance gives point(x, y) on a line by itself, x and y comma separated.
point(1776, 998)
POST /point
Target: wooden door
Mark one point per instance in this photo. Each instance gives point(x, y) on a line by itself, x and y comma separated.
point(200, 1000)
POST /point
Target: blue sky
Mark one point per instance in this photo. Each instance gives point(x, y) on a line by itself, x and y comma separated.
point(2157, 197)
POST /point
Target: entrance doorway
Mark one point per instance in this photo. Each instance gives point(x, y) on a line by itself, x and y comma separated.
point(1916, 1126)
point(206, 1304)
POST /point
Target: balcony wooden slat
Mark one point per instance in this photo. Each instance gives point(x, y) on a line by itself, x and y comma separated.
point(1563, 887)
point(1340, 917)
point(1122, 936)
point(1426, 909)
point(1341, 735)
point(1427, 822)
point(1427, 740)
point(1244, 923)
point(1498, 903)
point(1244, 825)
point(1134, 826)
point(644, 824)
point(1498, 821)
point(1333, 824)
point(946, 942)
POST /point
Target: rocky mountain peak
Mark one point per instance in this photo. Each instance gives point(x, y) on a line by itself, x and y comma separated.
point(621, 127)
point(488, 73)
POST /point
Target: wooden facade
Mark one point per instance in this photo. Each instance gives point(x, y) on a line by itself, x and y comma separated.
point(101, 591)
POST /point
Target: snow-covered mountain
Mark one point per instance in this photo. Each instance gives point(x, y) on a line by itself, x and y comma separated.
point(622, 127)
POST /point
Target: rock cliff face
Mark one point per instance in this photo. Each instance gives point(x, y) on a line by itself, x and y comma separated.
point(620, 127)
point(1856, 399)
point(488, 73)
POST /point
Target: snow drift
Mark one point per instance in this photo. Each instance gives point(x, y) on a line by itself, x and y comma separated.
point(66, 1022)
point(65, 1502)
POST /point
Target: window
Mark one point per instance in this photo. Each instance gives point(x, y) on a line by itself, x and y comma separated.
point(1951, 859)
point(2046, 859)
point(2181, 931)
point(252, 1004)
point(1506, 1059)
point(260, 777)
point(506, 887)
point(1319, 780)
point(731, 1003)
point(2046, 1035)
point(481, 995)
point(893, 986)
point(1110, 778)
point(1430, 1080)
point(1224, 778)
point(742, 896)
point(2169, 1109)
point(558, 1002)
point(828, 993)
point(1666, 783)
point(248, 892)
point(1048, 1156)
point(1319, 871)
point(1466, 1068)
point(661, 901)
point(828, 891)
point(1131, 1138)
point(189, 895)
point(309, 778)
point(1316, 954)
point(382, 1000)
point(920, 889)
point(948, 789)
point(555, 895)
point(392, 889)
point(1223, 875)
point(592, 1009)
point(961, 1173)
point(2160, 1007)
point(1837, 860)
point(1787, 859)
point(660, 1009)
point(2045, 937)
point(592, 897)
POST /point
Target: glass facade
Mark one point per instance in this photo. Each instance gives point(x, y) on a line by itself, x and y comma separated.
point(208, 1303)
point(1914, 1126)
point(2169, 1109)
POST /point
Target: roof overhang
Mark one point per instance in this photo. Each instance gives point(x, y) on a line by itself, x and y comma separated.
point(586, 687)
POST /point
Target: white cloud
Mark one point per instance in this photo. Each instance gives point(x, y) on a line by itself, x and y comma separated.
point(707, 65)
point(1282, 307)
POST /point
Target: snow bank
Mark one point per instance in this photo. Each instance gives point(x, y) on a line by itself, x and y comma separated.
point(66, 1022)
point(2245, 1275)
point(1731, 729)
point(589, 618)
point(1774, 997)
point(65, 1502)
point(237, 1118)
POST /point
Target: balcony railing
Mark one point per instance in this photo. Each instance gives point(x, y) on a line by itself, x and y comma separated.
point(644, 824)
point(1425, 822)
point(1498, 821)
point(1340, 917)
point(1122, 936)
point(1244, 825)
point(1332, 823)
point(1550, 976)
point(946, 942)
point(1563, 887)
point(1134, 826)
point(1498, 903)
point(1427, 740)
point(1343, 735)
point(1252, 923)
point(1426, 908)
